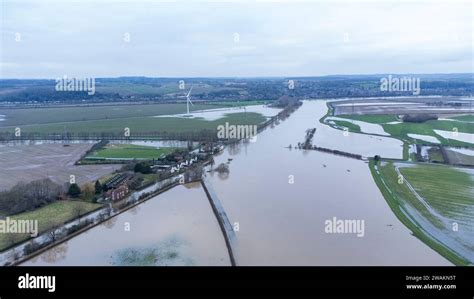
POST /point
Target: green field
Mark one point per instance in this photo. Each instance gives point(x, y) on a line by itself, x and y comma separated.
point(434, 154)
point(464, 117)
point(372, 118)
point(49, 216)
point(347, 124)
point(141, 125)
point(447, 190)
point(64, 115)
point(129, 151)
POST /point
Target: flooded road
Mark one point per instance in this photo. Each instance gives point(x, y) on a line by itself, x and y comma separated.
point(279, 197)
point(177, 227)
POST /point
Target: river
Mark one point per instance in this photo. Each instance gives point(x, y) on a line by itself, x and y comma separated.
point(279, 197)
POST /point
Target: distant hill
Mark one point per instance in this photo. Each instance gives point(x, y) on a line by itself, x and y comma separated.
point(143, 89)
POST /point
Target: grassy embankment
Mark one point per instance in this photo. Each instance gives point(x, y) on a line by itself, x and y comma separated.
point(49, 216)
point(341, 124)
point(434, 183)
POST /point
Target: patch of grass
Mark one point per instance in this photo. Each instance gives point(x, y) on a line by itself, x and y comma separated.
point(137, 257)
point(148, 178)
point(129, 151)
point(347, 124)
point(372, 118)
point(469, 117)
point(434, 154)
point(49, 216)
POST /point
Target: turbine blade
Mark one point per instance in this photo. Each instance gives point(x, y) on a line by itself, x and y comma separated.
point(189, 91)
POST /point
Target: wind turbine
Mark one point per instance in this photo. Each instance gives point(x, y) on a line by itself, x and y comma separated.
point(188, 100)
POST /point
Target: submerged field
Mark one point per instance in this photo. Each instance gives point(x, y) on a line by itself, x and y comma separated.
point(26, 162)
point(406, 131)
point(435, 202)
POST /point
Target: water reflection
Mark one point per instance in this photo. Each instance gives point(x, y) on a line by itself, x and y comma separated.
point(55, 254)
point(110, 223)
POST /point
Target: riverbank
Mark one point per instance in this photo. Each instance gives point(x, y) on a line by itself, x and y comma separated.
point(396, 197)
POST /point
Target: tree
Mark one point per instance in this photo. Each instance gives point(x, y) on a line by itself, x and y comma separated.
point(74, 190)
point(98, 187)
point(88, 191)
point(27, 196)
point(142, 168)
point(376, 158)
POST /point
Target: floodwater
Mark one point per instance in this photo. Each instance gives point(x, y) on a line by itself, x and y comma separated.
point(327, 137)
point(464, 151)
point(280, 198)
point(214, 114)
point(377, 104)
point(365, 127)
point(177, 227)
point(428, 138)
point(465, 137)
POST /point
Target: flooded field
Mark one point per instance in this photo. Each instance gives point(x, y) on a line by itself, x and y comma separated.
point(403, 105)
point(365, 145)
point(279, 197)
point(364, 126)
point(28, 161)
point(424, 138)
point(214, 114)
point(175, 228)
point(465, 137)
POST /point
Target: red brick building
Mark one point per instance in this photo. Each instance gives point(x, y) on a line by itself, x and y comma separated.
point(117, 193)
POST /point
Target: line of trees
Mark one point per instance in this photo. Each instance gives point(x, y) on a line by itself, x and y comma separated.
point(28, 196)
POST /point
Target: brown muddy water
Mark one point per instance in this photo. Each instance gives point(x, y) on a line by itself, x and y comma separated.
point(284, 224)
point(177, 227)
point(280, 199)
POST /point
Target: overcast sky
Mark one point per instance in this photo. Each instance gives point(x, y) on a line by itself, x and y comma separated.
point(241, 38)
